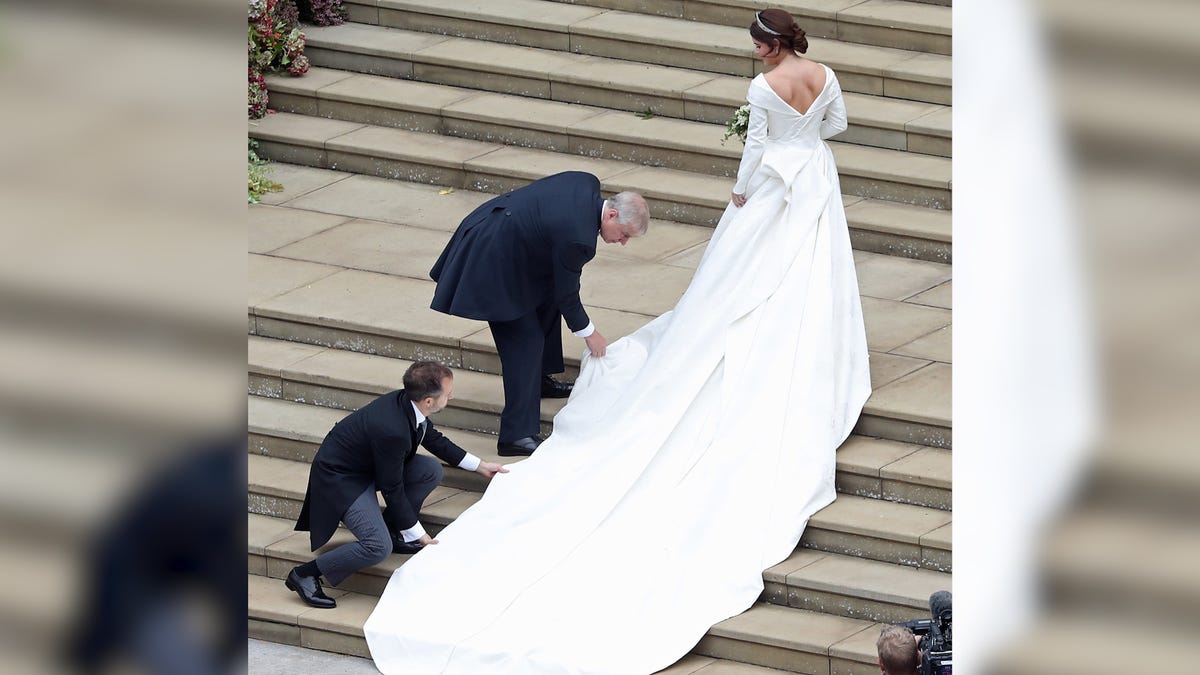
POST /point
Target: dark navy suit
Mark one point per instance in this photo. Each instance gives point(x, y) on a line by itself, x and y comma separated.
point(371, 449)
point(515, 262)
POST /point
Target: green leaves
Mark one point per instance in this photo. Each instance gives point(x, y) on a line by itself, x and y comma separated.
point(259, 184)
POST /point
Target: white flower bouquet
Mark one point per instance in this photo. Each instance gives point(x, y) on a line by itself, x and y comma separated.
point(738, 125)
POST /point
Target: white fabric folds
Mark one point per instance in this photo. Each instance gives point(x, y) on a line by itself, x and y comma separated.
point(687, 461)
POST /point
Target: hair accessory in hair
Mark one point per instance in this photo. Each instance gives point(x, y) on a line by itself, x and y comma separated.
point(764, 26)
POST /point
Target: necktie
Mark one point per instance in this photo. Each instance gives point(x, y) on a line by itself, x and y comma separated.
point(421, 428)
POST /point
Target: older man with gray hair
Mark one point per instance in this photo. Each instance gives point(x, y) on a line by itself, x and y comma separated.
point(515, 262)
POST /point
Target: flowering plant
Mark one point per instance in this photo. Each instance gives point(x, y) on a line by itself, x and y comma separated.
point(274, 42)
point(738, 125)
point(322, 12)
point(257, 95)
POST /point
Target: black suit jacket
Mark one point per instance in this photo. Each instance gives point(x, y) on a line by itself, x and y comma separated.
point(370, 445)
point(520, 250)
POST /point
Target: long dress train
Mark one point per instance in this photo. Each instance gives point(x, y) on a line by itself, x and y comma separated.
point(687, 461)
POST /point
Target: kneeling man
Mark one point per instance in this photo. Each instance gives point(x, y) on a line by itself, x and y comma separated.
point(375, 449)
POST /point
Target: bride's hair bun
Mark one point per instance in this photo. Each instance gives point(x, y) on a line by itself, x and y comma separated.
point(777, 27)
point(800, 41)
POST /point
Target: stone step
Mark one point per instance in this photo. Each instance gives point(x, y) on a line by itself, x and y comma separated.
point(1147, 467)
point(683, 196)
point(767, 636)
point(134, 416)
point(1111, 559)
point(675, 93)
point(1059, 641)
point(318, 199)
point(885, 23)
point(706, 665)
point(905, 308)
point(696, 45)
point(294, 431)
point(883, 469)
point(336, 378)
point(576, 128)
point(293, 221)
point(271, 657)
point(595, 80)
point(867, 467)
point(276, 488)
point(829, 583)
point(910, 401)
point(308, 296)
point(884, 531)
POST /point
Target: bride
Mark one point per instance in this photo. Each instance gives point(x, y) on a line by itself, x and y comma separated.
point(690, 457)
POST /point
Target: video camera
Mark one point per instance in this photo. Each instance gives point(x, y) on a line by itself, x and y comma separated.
point(935, 634)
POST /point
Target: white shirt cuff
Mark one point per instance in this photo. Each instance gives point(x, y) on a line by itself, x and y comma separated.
point(586, 331)
point(470, 462)
point(413, 533)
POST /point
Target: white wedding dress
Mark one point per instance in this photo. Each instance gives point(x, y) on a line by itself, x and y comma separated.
point(687, 461)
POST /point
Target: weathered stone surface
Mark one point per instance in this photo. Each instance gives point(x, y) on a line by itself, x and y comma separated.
point(936, 346)
point(298, 180)
point(892, 278)
point(269, 276)
point(887, 368)
point(270, 227)
point(885, 520)
point(938, 296)
point(923, 396)
point(891, 324)
point(374, 246)
point(373, 198)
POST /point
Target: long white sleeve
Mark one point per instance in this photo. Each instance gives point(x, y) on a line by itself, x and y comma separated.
point(756, 134)
point(834, 122)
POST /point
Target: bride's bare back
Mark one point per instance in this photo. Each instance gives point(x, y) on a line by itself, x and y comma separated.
point(798, 82)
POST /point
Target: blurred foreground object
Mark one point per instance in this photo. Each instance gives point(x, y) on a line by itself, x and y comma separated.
point(1116, 586)
point(162, 589)
point(121, 307)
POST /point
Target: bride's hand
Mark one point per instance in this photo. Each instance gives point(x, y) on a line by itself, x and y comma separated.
point(739, 200)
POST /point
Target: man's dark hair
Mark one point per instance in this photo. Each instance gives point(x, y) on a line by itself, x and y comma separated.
point(424, 378)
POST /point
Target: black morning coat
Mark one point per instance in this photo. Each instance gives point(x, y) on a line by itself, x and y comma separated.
point(370, 445)
point(521, 250)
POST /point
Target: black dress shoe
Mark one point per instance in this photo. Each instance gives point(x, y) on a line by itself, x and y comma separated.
point(405, 547)
point(522, 447)
point(552, 388)
point(309, 589)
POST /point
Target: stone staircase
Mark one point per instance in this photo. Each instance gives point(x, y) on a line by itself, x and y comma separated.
point(414, 113)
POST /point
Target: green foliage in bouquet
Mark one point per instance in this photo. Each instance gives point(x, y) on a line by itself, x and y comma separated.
point(738, 125)
point(260, 184)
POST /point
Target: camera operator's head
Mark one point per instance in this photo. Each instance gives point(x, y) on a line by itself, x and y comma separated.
point(897, 648)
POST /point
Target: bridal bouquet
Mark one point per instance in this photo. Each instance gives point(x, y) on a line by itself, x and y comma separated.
point(738, 124)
